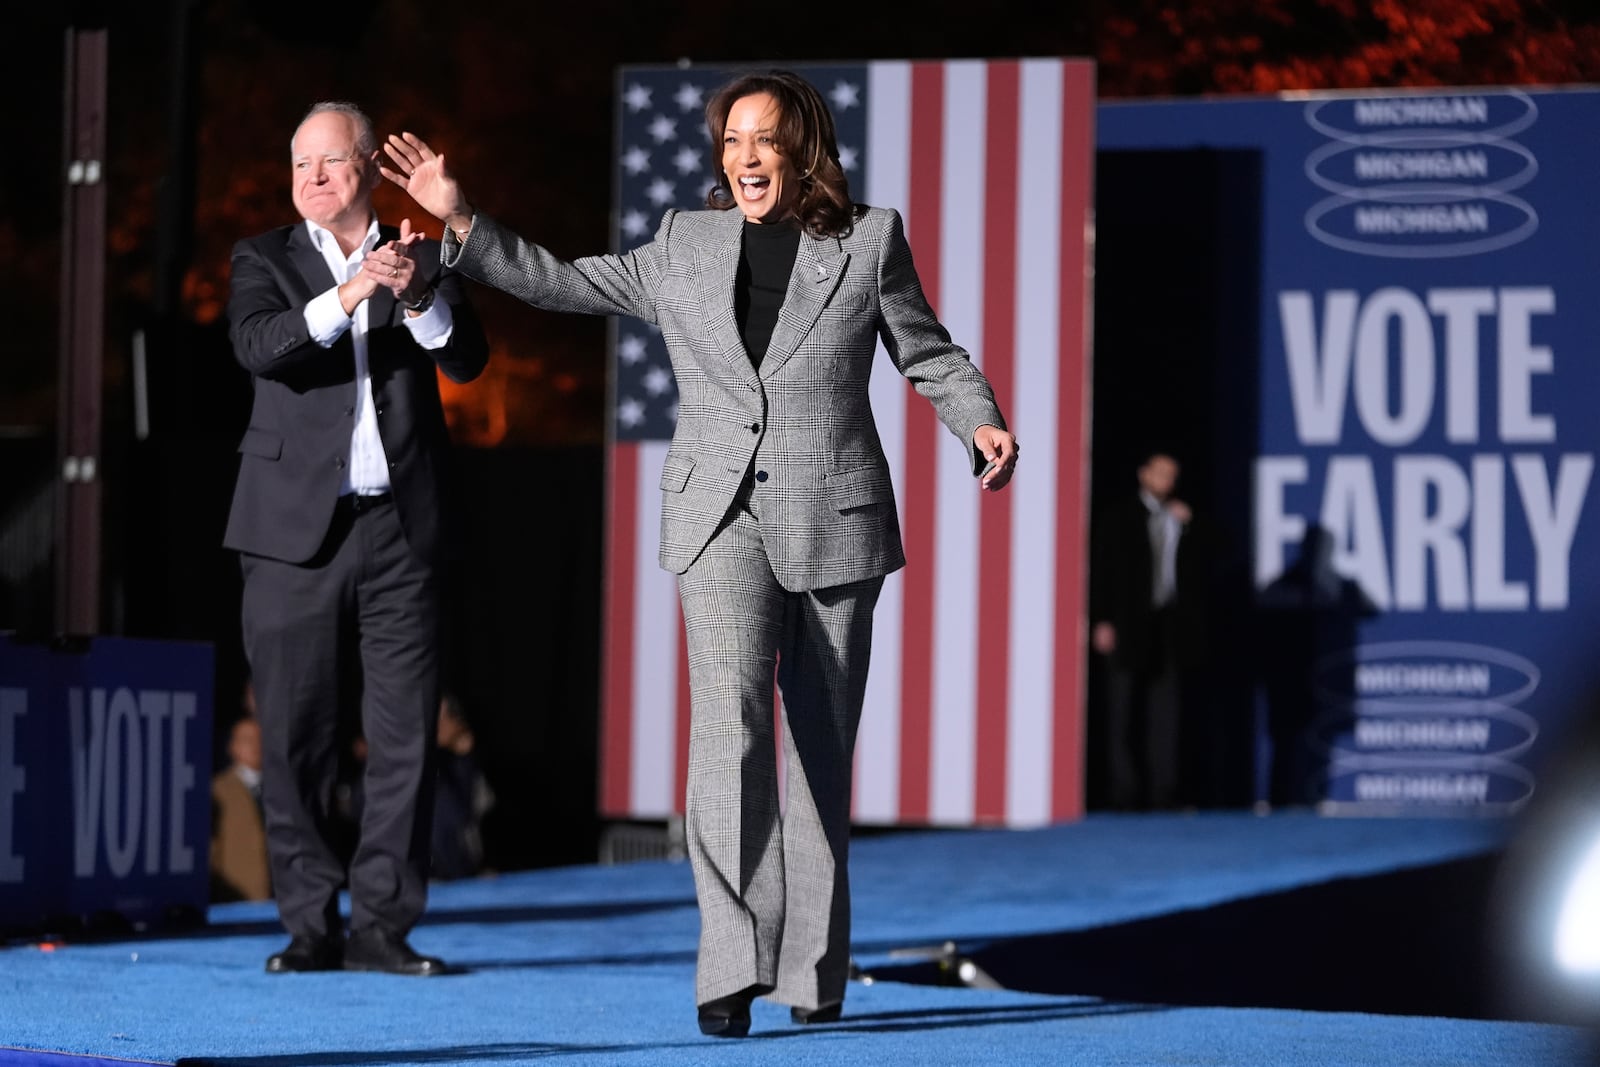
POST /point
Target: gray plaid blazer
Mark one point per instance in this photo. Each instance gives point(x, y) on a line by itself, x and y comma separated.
point(803, 425)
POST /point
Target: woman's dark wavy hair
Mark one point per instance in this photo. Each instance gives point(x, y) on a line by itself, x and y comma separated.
point(804, 136)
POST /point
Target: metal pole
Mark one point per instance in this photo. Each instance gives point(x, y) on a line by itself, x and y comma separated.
point(82, 333)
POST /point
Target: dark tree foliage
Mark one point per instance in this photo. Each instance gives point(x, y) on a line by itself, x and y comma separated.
point(519, 97)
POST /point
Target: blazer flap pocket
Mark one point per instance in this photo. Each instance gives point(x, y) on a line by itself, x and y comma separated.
point(675, 473)
point(261, 443)
point(857, 487)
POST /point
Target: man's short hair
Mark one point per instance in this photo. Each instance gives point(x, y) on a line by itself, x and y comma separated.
point(366, 138)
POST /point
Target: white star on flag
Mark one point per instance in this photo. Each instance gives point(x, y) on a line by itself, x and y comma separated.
point(634, 225)
point(661, 192)
point(687, 160)
point(630, 412)
point(663, 129)
point(636, 160)
point(637, 97)
point(689, 97)
point(657, 381)
point(631, 348)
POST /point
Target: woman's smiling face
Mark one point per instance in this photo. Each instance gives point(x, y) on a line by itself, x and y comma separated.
point(764, 182)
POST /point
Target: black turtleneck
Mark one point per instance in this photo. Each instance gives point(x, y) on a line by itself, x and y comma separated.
point(766, 259)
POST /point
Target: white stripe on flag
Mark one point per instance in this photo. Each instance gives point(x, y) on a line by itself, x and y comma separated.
point(1035, 542)
point(655, 649)
point(877, 794)
point(955, 571)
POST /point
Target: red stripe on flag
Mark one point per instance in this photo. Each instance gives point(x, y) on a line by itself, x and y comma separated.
point(617, 702)
point(1077, 156)
point(921, 481)
point(999, 365)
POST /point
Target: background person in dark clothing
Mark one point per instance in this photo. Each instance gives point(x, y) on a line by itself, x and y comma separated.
point(1145, 605)
point(462, 796)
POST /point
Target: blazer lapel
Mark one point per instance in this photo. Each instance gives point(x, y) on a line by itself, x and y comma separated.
point(308, 262)
point(818, 268)
point(717, 296)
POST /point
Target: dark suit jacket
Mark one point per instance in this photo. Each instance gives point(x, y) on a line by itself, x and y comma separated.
point(293, 456)
point(1121, 581)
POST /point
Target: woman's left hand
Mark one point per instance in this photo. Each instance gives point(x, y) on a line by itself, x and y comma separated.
point(1000, 448)
point(420, 171)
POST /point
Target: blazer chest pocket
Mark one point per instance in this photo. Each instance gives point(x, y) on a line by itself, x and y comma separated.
point(857, 488)
point(261, 443)
point(849, 305)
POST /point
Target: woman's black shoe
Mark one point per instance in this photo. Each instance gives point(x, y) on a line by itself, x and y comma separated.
point(728, 1016)
point(826, 1013)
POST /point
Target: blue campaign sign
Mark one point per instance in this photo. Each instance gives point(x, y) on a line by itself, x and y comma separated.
point(34, 798)
point(1423, 532)
point(107, 752)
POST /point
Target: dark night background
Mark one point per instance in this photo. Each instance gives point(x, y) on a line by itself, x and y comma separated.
point(203, 97)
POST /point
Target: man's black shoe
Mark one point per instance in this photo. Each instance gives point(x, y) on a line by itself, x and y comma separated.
point(827, 1013)
point(728, 1016)
point(306, 954)
point(375, 949)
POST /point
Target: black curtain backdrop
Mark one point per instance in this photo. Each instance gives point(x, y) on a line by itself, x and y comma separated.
point(1177, 244)
point(524, 645)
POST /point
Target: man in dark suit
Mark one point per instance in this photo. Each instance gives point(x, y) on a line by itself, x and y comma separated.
point(1144, 605)
point(343, 325)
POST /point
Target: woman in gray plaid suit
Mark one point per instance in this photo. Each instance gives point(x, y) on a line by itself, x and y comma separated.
point(778, 514)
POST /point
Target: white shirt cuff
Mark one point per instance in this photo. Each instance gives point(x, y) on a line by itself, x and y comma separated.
point(325, 318)
point(431, 329)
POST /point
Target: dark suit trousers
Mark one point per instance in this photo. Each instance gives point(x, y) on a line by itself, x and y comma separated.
point(365, 602)
point(1143, 721)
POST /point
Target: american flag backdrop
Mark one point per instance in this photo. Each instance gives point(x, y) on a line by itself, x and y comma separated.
point(974, 710)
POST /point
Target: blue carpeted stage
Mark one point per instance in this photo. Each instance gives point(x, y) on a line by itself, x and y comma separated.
point(1217, 938)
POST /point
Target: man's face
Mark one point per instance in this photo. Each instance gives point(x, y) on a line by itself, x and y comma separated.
point(332, 184)
point(1159, 476)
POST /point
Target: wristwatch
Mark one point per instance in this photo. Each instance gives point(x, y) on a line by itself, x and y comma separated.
point(423, 303)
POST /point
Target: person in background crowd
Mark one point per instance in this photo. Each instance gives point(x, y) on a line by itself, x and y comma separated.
point(461, 799)
point(238, 836)
point(1143, 585)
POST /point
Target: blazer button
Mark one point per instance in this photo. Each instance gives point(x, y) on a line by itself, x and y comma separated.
point(338, 464)
point(755, 427)
point(761, 476)
point(349, 411)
